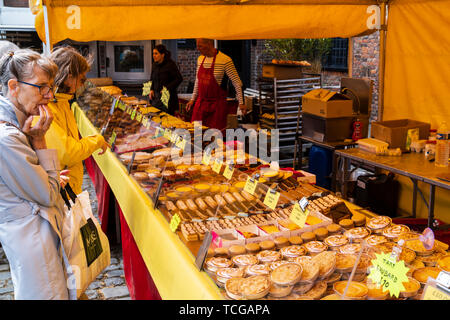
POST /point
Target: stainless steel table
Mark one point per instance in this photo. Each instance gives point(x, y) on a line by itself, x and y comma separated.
point(412, 165)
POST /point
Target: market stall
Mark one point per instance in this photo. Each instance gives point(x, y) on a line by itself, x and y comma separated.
point(175, 275)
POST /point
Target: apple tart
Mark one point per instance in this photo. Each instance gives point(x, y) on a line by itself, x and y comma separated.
point(293, 251)
point(315, 247)
point(287, 274)
point(444, 263)
point(215, 263)
point(377, 224)
point(254, 287)
point(345, 262)
point(356, 290)
point(357, 234)
point(336, 241)
point(258, 269)
point(327, 263)
point(244, 260)
point(268, 256)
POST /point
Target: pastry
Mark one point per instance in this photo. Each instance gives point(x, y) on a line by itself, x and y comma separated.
point(327, 263)
point(286, 274)
point(377, 224)
point(315, 247)
point(236, 250)
point(232, 287)
point(252, 247)
point(350, 248)
point(430, 260)
point(302, 259)
point(345, 262)
point(365, 261)
point(310, 271)
point(267, 245)
point(293, 251)
point(418, 248)
point(258, 269)
point(407, 255)
point(375, 291)
point(336, 276)
point(444, 263)
point(277, 291)
point(332, 296)
point(295, 240)
point(281, 242)
point(223, 274)
point(334, 228)
point(394, 231)
point(422, 274)
point(308, 236)
point(375, 239)
point(268, 256)
point(244, 260)
point(302, 287)
point(321, 233)
point(412, 287)
point(278, 263)
point(346, 223)
point(334, 242)
point(357, 234)
point(359, 220)
point(356, 290)
point(357, 276)
point(215, 263)
point(254, 287)
point(316, 292)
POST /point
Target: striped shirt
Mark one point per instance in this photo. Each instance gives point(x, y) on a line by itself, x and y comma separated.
point(223, 64)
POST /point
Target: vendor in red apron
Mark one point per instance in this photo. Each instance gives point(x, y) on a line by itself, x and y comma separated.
point(209, 95)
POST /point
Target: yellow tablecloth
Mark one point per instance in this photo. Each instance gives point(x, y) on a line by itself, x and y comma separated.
point(169, 261)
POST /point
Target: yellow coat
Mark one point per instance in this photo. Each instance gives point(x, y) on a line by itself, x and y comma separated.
point(63, 136)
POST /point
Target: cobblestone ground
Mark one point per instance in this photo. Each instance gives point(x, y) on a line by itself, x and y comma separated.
point(109, 285)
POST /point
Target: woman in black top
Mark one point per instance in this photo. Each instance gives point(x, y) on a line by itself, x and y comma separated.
point(165, 73)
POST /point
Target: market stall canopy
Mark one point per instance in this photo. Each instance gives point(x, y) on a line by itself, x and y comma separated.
point(127, 20)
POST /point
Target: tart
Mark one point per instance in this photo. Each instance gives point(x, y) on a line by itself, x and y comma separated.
point(357, 276)
point(365, 261)
point(395, 231)
point(327, 263)
point(359, 220)
point(357, 234)
point(336, 241)
point(244, 260)
point(277, 291)
point(252, 247)
point(406, 255)
point(346, 223)
point(302, 287)
point(315, 247)
point(332, 296)
point(431, 260)
point(350, 248)
point(278, 263)
point(345, 262)
point(254, 287)
point(377, 224)
point(444, 263)
point(202, 187)
point(375, 239)
point(321, 233)
point(412, 287)
point(375, 291)
point(286, 274)
point(334, 228)
point(221, 252)
point(308, 236)
point(355, 291)
point(422, 274)
point(295, 240)
point(268, 256)
point(317, 291)
point(302, 259)
point(215, 263)
point(223, 274)
point(267, 245)
point(418, 248)
point(293, 251)
point(281, 242)
point(336, 276)
point(232, 287)
point(258, 269)
point(236, 250)
point(310, 271)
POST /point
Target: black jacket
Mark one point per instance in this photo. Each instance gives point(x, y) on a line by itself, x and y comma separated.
point(166, 74)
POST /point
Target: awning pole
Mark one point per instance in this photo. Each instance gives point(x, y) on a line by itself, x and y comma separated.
point(48, 45)
point(382, 59)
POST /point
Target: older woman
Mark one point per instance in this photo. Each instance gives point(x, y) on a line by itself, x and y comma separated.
point(31, 209)
point(63, 134)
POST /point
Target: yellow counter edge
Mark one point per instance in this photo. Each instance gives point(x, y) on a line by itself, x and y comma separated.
point(169, 261)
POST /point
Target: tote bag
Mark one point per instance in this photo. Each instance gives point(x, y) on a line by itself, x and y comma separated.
point(85, 244)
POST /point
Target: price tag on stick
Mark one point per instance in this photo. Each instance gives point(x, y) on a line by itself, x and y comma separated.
point(250, 185)
point(174, 222)
point(299, 213)
point(206, 158)
point(217, 166)
point(271, 199)
point(165, 96)
point(228, 172)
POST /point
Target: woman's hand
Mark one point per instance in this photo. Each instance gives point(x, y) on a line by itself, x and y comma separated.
point(152, 94)
point(105, 146)
point(37, 132)
point(189, 105)
point(63, 178)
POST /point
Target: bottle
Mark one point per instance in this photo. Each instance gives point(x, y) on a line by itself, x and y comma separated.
point(442, 146)
point(357, 130)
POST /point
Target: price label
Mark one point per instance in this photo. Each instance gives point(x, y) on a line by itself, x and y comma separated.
point(228, 172)
point(133, 114)
point(271, 199)
point(167, 134)
point(181, 143)
point(217, 165)
point(174, 222)
point(432, 293)
point(122, 106)
point(174, 137)
point(250, 185)
point(206, 158)
point(146, 88)
point(299, 215)
point(138, 117)
point(144, 121)
point(159, 132)
point(112, 139)
point(165, 96)
point(388, 273)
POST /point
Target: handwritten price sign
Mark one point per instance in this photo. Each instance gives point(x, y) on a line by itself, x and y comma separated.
point(271, 199)
point(174, 222)
point(299, 214)
point(250, 185)
point(165, 96)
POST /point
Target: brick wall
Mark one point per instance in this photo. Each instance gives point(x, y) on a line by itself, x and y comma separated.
point(187, 63)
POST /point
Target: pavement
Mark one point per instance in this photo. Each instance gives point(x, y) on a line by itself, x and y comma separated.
point(109, 285)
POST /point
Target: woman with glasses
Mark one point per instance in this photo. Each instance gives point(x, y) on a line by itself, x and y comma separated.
point(63, 134)
point(31, 208)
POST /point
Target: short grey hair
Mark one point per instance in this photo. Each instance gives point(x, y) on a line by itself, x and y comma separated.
point(7, 46)
point(19, 65)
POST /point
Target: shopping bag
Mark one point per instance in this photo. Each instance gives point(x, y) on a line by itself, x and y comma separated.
point(85, 244)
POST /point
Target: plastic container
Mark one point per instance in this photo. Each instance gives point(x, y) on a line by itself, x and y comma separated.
point(320, 164)
point(442, 146)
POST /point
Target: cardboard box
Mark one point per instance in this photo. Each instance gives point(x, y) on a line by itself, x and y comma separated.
point(395, 132)
point(326, 129)
point(281, 72)
point(327, 104)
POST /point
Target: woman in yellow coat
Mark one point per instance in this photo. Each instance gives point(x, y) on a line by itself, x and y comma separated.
point(63, 133)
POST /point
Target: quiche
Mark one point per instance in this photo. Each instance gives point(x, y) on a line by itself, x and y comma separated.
point(345, 262)
point(287, 274)
point(422, 274)
point(356, 290)
point(327, 263)
point(444, 263)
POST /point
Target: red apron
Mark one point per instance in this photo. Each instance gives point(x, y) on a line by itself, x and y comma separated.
point(211, 104)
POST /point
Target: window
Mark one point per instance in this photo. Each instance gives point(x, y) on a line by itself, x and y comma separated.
point(337, 57)
point(186, 44)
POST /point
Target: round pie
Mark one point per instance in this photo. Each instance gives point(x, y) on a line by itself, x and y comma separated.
point(365, 261)
point(444, 263)
point(254, 287)
point(223, 274)
point(394, 231)
point(280, 291)
point(336, 241)
point(310, 271)
point(302, 287)
point(422, 274)
point(244, 260)
point(355, 291)
point(278, 263)
point(412, 287)
point(327, 263)
point(315, 247)
point(268, 256)
point(302, 259)
point(357, 234)
point(293, 251)
point(287, 274)
point(345, 262)
point(431, 260)
point(232, 287)
point(332, 296)
point(316, 292)
point(375, 291)
point(258, 269)
point(215, 263)
point(406, 255)
point(418, 248)
point(377, 224)
point(350, 248)
point(336, 276)
point(375, 239)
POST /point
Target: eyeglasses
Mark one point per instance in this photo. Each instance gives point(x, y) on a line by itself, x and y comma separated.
point(43, 90)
